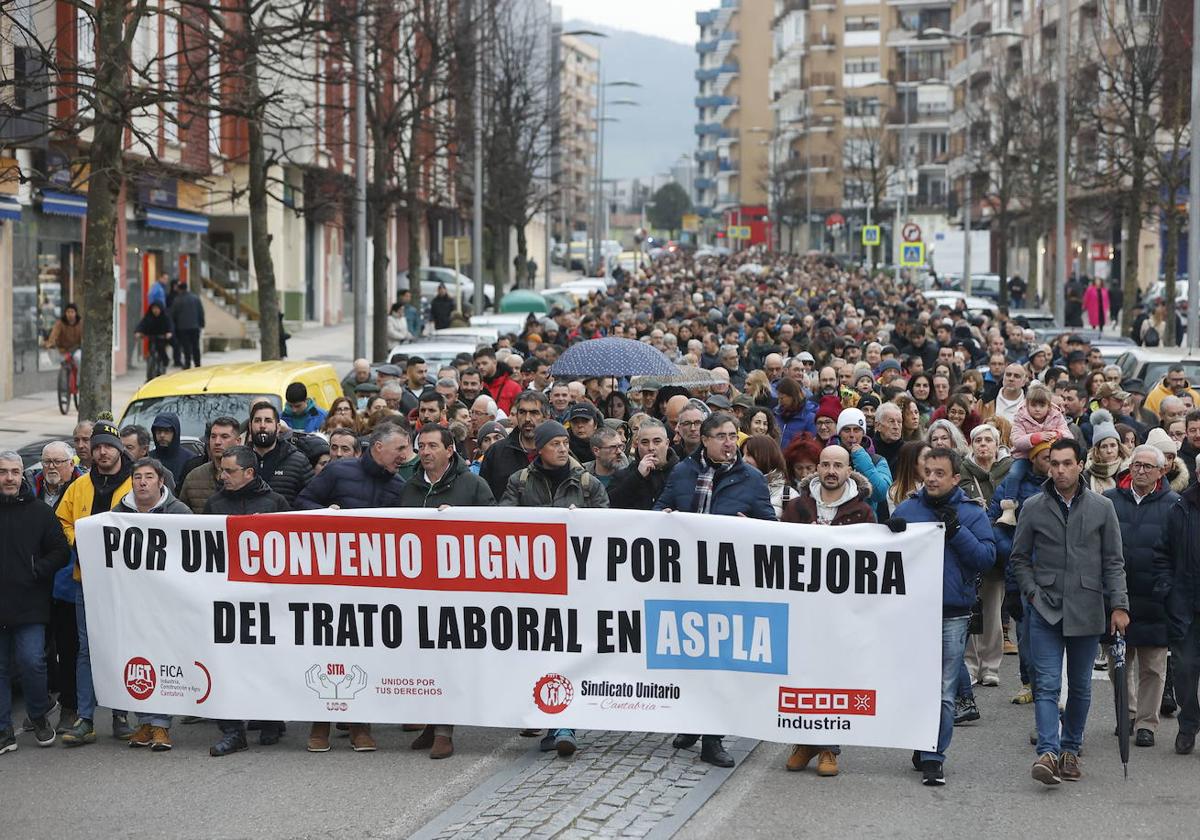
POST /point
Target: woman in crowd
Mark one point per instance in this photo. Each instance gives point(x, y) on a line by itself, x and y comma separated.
point(760, 421)
point(985, 466)
point(921, 389)
point(909, 475)
point(758, 388)
point(615, 405)
point(802, 457)
point(792, 413)
point(910, 417)
point(1106, 458)
point(341, 416)
point(943, 434)
point(762, 453)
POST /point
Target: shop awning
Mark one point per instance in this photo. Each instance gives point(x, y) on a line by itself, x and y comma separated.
point(10, 210)
point(63, 204)
point(158, 217)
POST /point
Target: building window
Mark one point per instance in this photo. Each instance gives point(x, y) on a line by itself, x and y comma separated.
point(863, 23)
point(864, 64)
point(862, 106)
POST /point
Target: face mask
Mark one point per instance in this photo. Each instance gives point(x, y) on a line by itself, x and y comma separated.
point(362, 403)
point(264, 439)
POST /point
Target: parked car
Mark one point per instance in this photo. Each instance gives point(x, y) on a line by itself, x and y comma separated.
point(435, 353)
point(432, 275)
point(1150, 364)
point(199, 394)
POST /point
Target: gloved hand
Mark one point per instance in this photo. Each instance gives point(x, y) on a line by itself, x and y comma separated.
point(897, 524)
point(948, 516)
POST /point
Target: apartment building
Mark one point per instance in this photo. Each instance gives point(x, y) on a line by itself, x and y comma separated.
point(733, 112)
point(861, 117)
point(575, 146)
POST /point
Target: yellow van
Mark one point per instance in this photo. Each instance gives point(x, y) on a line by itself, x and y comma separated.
point(200, 394)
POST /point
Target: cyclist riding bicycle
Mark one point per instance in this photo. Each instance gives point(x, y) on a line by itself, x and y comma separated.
point(156, 325)
point(66, 336)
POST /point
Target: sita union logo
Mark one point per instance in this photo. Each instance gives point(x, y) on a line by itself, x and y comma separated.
point(553, 693)
point(139, 678)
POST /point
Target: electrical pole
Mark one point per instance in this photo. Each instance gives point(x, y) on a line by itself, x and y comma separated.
point(1060, 242)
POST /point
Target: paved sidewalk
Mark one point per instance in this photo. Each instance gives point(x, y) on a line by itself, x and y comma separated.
point(619, 784)
point(36, 416)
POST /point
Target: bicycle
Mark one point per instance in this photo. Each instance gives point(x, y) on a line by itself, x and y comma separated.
point(68, 383)
point(156, 355)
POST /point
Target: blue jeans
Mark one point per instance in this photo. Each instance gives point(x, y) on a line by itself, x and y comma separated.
point(29, 640)
point(954, 644)
point(1047, 646)
point(154, 719)
point(964, 681)
point(84, 690)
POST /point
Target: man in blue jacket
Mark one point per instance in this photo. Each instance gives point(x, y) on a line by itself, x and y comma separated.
point(970, 550)
point(301, 411)
point(715, 479)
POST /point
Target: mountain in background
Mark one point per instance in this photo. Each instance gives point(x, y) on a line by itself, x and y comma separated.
point(651, 137)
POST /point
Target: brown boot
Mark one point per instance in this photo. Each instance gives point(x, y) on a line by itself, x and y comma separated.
point(827, 763)
point(318, 738)
point(143, 737)
point(800, 757)
point(443, 747)
point(360, 737)
point(425, 740)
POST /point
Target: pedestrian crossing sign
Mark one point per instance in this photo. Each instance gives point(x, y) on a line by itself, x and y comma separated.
point(870, 235)
point(912, 254)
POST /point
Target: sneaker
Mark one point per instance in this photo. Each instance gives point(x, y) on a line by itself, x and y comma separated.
point(82, 732)
point(801, 755)
point(1010, 649)
point(27, 724)
point(44, 732)
point(160, 739)
point(931, 774)
point(65, 718)
point(1101, 663)
point(965, 710)
point(1068, 767)
point(564, 743)
point(827, 763)
point(8, 741)
point(122, 731)
point(1045, 769)
point(230, 743)
point(989, 680)
point(1023, 697)
point(545, 745)
point(143, 737)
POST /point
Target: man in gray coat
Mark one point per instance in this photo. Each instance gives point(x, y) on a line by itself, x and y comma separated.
point(1066, 556)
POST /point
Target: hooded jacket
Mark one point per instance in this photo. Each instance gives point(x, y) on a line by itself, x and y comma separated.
point(155, 325)
point(308, 420)
point(630, 490)
point(255, 497)
point(352, 483)
point(167, 503)
point(458, 486)
point(854, 507)
point(79, 499)
point(506, 458)
point(533, 487)
point(1147, 570)
point(502, 389)
point(173, 457)
point(34, 549)
point(969, 552)
point(793, 423)
point(285, 469)
point(740, 489)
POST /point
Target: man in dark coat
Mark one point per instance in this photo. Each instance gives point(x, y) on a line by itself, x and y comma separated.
point(34, 549)
point(1142, 500)
point(637, 486)
point(244, 492)
point(517, 451)
point(187, 311)
point(168, 449)
point(441, 308)
point(1183, 612)
point(369, 481)
point(280, 464)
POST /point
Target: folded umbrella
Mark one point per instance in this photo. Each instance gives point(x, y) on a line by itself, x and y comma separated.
point(1121, 698)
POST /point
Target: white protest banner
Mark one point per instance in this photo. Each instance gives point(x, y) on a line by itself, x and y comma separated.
point(522, 617)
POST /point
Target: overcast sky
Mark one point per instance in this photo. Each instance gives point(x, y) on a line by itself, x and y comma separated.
point(671, 19)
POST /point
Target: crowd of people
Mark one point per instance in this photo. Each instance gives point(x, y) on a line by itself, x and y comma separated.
point(1067, 494)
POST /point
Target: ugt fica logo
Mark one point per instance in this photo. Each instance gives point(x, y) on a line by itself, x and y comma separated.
point(331, 681)
point(553, 693)
point(139, 678)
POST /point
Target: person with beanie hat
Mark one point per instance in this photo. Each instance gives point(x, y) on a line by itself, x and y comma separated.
point(852, 436)
point(1105, 459)
point(490, 433)
point(1176, 470)
point(829, 407)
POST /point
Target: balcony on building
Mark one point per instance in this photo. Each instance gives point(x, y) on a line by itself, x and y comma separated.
point(713, 101)
point(707, 74)
point(706, 155)
point(711, 128)
point(706, 18)
point(704, 47)
point(977, 16)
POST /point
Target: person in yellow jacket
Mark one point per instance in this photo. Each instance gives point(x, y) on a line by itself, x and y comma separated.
point(100, 490)
point(1175, 383)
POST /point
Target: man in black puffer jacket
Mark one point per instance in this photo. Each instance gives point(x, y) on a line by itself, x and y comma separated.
point(638, 486)
point(369, 481)
point(243, 491)
point(1142, 499)
point(34, 550)
point(281, 465)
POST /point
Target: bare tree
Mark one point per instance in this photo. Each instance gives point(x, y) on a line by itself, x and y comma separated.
point(869, 160)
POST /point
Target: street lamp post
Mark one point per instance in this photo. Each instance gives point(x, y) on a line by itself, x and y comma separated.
point(599, 204)
point(1060, 216)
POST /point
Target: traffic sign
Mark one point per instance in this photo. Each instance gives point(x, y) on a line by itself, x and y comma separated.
point(912, 254)
point(690, 223)
point(911, 232)
point(456, 250)
point(739, 232)
point(870, 235)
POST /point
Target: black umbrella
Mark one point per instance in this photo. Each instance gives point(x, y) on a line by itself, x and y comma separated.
point(1121, 696)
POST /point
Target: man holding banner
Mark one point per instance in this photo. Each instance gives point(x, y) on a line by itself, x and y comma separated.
point(715, 479)
point(970, 550)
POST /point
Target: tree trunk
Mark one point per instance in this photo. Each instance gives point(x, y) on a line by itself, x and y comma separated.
point(1129, 258)
point(104, 158)
point(1170, 268)
point(523, 254)
point(381, 217)
point(1002, 224)
point(260, 236)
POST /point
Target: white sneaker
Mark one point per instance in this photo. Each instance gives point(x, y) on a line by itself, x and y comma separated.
point(990, 680)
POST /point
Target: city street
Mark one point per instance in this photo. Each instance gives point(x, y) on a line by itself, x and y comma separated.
point(498, 785)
